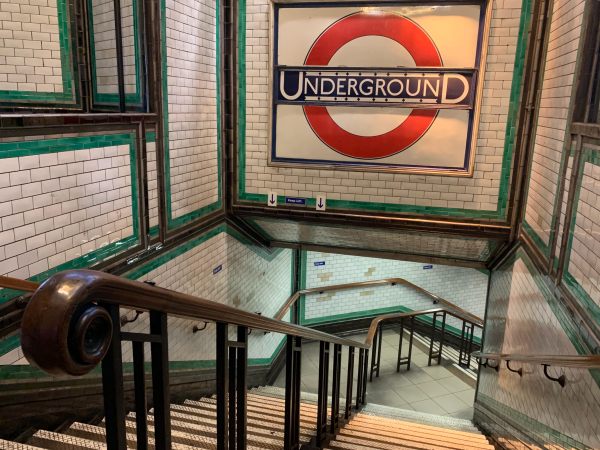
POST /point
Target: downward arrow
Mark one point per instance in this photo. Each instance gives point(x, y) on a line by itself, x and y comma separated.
point(320, 205)
point(272, 201)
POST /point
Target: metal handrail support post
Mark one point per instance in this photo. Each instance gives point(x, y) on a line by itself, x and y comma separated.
point(407, 359)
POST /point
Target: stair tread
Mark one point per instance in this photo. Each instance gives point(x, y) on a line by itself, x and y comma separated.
point(383, 423)
point(10, 445)
point(419, 441)
point(416, 435)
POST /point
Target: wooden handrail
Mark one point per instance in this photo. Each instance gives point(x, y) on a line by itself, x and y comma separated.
point(575, 361)
point(465, 315)
point(18, 284)
point(446, 306)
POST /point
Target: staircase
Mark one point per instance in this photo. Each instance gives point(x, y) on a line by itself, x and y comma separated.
point(193, 426)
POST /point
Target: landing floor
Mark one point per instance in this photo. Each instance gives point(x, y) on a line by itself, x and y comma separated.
point(436, 389)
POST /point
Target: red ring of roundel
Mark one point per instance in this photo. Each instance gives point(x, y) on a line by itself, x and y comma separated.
point(425, 54)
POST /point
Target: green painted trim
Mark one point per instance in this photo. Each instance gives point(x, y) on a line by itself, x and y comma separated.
point(529, 424)
point(69, 96)
point(173, 223)
point(365, 314)
point(44, 146)
point(537, 240)
point(509, 145)
point(26, 371)
point(588, 156)
point(131, 99)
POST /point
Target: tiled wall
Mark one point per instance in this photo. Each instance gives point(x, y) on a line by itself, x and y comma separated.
point(464, 287)
point(104, 57)
point(219, 266)
point(582, 273)
point(63, 199)
point(525, 318)
point(483, 195)
point(66, 202)
point(193, 144)
point(30, 46)
point(550, 147)
point(35, 51)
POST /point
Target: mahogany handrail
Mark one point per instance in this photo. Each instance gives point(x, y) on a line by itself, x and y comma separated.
point(465, 315)
point(573, 361)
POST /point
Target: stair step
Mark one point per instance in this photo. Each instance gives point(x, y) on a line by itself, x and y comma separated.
point(265, 412)
point(382, 411)
point(9, 445)
point(420, 441)
point(98, 433)
point(384, 424)
point(58, 441)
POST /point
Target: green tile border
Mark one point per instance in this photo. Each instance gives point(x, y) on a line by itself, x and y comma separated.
point(44, 146)
point(528, 424)
point(69, 96)
point(28, 372)
point(592, 157)
point(13, 342)
point(175, 222)
point(509, 144)
point(131, 99)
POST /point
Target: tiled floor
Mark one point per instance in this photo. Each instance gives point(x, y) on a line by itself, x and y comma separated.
point(434, 389)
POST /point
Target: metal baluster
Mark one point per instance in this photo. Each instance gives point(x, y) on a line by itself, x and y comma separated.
point(335, 387)
point(291, 438)
point(442, 337)
point(361, 375)
point(112, 386)
point(141, 407)
point(379, 349)
point(222, 387)
point(160, 381)
point(363, 398)
point(410, 341)
point(322, 396)
point(433, 330)
point(374, 354)
point(232, 351)
point(242, 387)
point(349, 382)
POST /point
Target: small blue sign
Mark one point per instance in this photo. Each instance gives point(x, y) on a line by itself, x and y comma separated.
point(319, 263)
point(295, 201)
point(427, 267)
point(217, 269)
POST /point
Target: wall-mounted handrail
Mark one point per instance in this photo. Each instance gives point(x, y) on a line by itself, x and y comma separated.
point(465, 315)
point(573, 361)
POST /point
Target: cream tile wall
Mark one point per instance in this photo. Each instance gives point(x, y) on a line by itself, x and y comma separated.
point(30, 58)
point(583, 268)
point(105, 52)
point(465, 287)
point(249, 279)
point(61, 205)
point(192, 104)
point(479, 193)
point(524, 318)
point(557, 87)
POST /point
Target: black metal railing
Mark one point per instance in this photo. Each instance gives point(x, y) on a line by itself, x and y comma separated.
point(72, 323)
